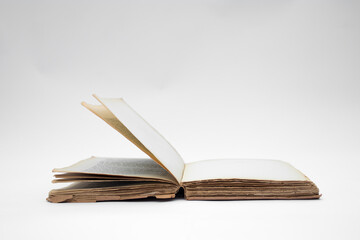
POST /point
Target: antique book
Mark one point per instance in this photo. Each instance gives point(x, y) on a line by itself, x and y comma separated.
point(164, 173)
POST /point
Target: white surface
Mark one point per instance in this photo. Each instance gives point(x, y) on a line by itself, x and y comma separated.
point(219, 79)
point(147, 135)
point(259, 169)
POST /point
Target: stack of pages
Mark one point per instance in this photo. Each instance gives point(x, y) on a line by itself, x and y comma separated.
point(165, 173)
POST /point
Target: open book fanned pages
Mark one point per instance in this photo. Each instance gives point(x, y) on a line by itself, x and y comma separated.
point(164, 173)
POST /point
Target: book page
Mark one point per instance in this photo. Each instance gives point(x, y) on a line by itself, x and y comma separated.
point(103, 113)
point(258, 169)
point(129, 167)
point(118, 114)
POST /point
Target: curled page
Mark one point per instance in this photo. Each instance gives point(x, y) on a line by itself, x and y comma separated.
point(118, 114)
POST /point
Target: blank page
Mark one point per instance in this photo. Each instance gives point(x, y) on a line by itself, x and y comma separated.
point(257, 169)
point(155, 145)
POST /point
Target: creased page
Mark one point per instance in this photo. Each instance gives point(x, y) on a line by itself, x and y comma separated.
point(258, 169)
point(129, 167)
point(143, 135)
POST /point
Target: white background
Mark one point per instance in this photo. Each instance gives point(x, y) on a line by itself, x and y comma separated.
point(219, 79)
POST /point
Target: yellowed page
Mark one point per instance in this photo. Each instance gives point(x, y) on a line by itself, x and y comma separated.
point(118, 114)
point(103, 113)
point(259, 169)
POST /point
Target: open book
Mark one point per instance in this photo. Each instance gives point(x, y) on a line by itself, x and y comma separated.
point(164, 173)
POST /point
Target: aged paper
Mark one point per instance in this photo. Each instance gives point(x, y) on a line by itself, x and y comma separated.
point(261, 169)
point(128, 167)
point(137, 130)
